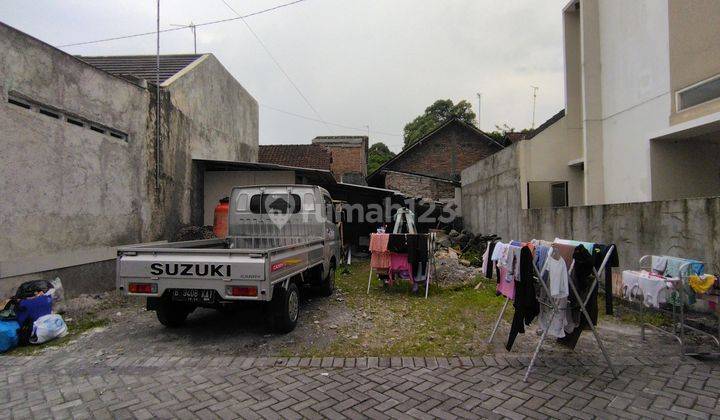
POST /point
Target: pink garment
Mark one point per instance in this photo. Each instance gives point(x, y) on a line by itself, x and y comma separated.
point(506, 284)
point(380, 260)
point(379, 242)
point(399, 264)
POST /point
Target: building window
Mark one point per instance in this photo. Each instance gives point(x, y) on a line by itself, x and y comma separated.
point(49, 113)
point(20, 103)
point(74, 121)
point(699, 93)
point(68, 117)
point(559, 194)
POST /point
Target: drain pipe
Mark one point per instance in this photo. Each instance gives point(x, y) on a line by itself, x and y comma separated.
point(157, 102)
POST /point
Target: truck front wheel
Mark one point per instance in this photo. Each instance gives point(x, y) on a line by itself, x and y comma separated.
point(286, 308)
point(172, 314)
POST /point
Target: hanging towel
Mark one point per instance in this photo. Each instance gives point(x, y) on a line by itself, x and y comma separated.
point(379, 242)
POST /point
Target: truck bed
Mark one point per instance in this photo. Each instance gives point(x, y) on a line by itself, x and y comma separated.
point(210, 264)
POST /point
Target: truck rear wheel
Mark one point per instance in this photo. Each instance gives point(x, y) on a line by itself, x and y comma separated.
point(327, 287)
point(171, 314)
point(286, 308)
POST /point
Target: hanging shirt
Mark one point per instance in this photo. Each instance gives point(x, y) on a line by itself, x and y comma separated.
point(398, 243)
point(558, 273)
point(498, 251)
point(526, 304)
point(658, 264)
point(541, 253)
point(486, 260)
point(505, 284)
point(379, 242)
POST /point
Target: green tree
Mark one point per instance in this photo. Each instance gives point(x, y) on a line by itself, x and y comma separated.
point(435, 115)
point(501, 132)
point(378, 154)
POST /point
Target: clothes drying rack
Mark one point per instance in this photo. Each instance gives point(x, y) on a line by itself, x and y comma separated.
point(428, 270)
point(555, 309)
point(678, 317)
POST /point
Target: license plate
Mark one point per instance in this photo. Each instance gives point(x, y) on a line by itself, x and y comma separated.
point(193, 295)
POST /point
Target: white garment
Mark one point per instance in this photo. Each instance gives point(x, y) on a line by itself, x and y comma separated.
point(654, 290)
point(658, 264)
point(631, 283)
point(558, 273)
point(498, 251)
point(558, 322)
point(485, 258)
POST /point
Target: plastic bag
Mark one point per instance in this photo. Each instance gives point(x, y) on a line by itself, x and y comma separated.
point(32, 287)
point(8, 335)
point(57, 291)
point(48, 327)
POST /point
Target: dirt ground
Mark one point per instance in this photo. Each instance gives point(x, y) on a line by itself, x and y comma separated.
point(350, 323)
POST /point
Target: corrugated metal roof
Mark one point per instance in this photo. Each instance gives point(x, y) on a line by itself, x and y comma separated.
point(141, 66)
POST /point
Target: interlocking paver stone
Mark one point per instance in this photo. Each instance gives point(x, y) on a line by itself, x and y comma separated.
point(70, 386)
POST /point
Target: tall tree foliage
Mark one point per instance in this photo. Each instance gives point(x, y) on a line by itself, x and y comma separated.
point(378, 154)
point(435, 115)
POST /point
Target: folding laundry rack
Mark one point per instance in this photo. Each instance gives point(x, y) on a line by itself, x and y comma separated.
point(428, 269)
point(552, 304)
point(678, 317)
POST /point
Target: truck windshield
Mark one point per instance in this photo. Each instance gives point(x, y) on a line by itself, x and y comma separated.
point(275, 203)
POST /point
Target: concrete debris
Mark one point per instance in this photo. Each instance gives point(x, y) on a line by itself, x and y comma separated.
point(450, 271)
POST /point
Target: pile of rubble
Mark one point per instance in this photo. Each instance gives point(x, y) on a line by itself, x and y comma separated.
point(450, 269)
point(191, 233)
point(459, 255)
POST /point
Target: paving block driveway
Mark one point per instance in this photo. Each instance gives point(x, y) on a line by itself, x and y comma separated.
point(66, 385)
point(134, 368)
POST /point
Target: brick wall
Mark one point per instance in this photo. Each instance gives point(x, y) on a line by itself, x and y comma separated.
point(420, 186)
point(348, 160)
point(349, 157)
point(447, 153)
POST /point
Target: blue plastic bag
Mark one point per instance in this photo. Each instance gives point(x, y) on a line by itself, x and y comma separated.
point(8, 335)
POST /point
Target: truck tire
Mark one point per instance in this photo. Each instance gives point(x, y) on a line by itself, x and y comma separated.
point(172, 315)
point(286, 308)
point(327, 287)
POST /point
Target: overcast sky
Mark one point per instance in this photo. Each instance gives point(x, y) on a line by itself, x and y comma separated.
point(359, 62)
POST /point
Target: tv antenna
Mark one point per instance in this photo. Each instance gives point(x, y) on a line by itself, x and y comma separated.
point(535, 90)
point(192, 28)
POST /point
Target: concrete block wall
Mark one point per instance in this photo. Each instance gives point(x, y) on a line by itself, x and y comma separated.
point(684, 228)
point(491, 194)
point(687, 228)
point(71, 194)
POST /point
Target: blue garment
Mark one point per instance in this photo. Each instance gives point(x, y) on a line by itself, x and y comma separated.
point(541, 253)
point(516, 243)
point(674, 265)
point(33, 308)
point(8, 335)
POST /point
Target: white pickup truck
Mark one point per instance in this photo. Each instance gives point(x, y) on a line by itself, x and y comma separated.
point(280, 238)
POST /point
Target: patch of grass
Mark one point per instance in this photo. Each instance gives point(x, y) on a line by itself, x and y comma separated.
point(389, 321)
point(75, 329)
point(629, 313)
